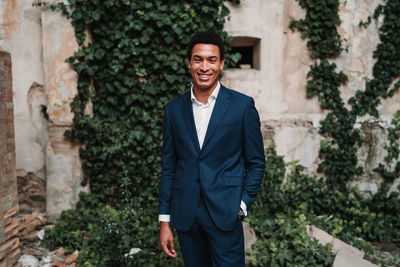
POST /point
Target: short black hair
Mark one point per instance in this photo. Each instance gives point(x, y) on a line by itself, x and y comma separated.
point(206, 37)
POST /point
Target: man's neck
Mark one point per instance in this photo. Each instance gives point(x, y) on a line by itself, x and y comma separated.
point(203, 95)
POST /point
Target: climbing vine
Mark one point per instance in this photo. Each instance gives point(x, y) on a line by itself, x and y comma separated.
point(319, 26)
point(290, 199)
point(338, 150)
point(133, 63)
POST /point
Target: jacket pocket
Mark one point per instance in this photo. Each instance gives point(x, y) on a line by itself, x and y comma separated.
point(233, 180)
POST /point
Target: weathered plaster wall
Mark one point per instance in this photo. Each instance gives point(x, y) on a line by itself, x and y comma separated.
point(62, 157)
point(288, 116)
point(21, 37)
point(47, 165)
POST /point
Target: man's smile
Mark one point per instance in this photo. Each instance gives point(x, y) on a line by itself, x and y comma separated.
point(204, 77)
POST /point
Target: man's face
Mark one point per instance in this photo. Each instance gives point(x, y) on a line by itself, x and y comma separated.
point(205, 65)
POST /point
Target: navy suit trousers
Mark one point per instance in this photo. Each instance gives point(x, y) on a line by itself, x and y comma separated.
point(206, 245)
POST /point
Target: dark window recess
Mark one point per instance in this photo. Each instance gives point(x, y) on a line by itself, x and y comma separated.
point(246, 53)
point(249, 49)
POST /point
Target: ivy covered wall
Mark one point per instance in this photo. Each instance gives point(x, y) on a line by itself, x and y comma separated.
point(134, 62)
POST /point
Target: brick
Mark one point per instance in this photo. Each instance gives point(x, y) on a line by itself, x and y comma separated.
point(4, 178)
point(2, 194)
point(7, 63)
point(6, 171)
point(11, 258)
point(9, 251)
point(9, 105)
point(10, 134)
point(10, 245)
point(7, 222)
point(10, 147)
point(4, 83)
point(12, 229)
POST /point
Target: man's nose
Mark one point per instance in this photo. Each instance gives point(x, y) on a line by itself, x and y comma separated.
point(204, 66)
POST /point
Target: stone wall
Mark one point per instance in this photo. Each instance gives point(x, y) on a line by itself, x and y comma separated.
point(9, 251)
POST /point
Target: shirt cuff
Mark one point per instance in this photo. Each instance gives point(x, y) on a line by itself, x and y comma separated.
point(165, 217)
point(243, 207)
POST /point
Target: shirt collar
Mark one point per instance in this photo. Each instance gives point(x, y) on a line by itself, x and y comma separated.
point(213, 95)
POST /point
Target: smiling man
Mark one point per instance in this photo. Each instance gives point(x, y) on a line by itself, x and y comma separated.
point(213, 163)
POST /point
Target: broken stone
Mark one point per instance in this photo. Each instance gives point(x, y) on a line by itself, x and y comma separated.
point(40, 234)
point(337, 244)
point(133, 251)
point(32, 191)
point(46, 259)
point(58, 252)
point(346, 258)
point(32, 252)
point(28, 224)
point(59, 264)
point(32, 236)
point(249, 235)
point(28, 261)
point(72, 257)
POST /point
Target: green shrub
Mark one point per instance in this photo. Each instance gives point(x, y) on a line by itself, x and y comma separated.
point(289, 200)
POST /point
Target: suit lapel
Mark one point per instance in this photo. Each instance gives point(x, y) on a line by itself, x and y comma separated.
point(220, 107)
point(187, 112)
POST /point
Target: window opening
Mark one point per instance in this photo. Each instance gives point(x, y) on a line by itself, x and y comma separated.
point(249, 49)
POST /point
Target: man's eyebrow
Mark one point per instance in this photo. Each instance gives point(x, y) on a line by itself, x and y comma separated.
point(200, 57)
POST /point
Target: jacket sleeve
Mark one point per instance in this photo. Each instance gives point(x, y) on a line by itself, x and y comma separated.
point(169, 160)
point(254, 156)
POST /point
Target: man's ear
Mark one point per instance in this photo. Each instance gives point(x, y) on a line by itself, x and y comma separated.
point(221, 67)
point(188, 63)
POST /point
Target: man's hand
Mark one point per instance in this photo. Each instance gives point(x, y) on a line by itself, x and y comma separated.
point(167, 239)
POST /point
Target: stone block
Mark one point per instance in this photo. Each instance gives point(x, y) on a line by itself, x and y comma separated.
point(298, 142)
point(337, 244)
point(28, 261)
point(62, 185)
point(346, 258)
point(249, 235)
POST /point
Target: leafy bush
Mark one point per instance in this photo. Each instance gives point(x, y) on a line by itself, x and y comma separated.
point(105, 234)
point(289, 200)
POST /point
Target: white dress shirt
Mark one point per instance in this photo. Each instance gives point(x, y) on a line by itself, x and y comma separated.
point(202, 114)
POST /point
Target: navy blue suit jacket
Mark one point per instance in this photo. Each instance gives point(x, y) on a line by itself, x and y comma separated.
point(227, 169)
